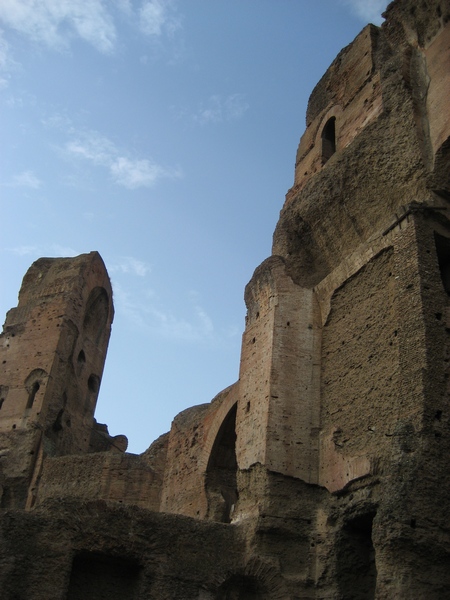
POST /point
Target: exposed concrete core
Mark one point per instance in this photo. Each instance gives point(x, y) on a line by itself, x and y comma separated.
point(322, 472)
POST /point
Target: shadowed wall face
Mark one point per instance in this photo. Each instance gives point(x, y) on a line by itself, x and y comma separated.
point(101, 577)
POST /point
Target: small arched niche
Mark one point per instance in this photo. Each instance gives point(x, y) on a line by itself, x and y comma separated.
point(221, 486)
point(33, 384)
point(328, 138)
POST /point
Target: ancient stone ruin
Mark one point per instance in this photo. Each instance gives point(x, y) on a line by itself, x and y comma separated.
point(322, 472)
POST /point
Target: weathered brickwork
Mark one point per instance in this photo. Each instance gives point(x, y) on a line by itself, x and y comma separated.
point(359, 373)
point(320, 474)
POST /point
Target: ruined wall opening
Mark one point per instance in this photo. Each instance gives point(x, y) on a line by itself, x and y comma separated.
point(33, 384)
point(32, 394)
point(81, 361)
point(443, 255)
point(3, 393)
point(356, 569)
point(242, 587)
point(328, 139)
point(221, 486)
point(440, 182)
point(96, 317)
point(102, 577)
point(94, 383)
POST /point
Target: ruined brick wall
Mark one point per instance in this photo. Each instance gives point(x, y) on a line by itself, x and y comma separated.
point(193, 484)
point(98, 550)
point(278, 410)
point(349, 94)
point(52, 355)
point(436, 59)
point(359, 189)
point(112, 476)
point(360, 370)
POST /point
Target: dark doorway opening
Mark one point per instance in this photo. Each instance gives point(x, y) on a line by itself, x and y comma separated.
point(443, 255)
point(240, 587)
point(101, 577)
point(221, 486)
point(356, 568)
point(328, 140)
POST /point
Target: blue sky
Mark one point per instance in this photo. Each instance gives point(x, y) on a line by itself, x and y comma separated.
point(163, 134)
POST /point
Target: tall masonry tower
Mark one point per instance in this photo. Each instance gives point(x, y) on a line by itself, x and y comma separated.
point(52, 351)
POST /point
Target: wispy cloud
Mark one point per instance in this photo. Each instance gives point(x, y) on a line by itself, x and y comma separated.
point(44, 250)
point(23, 250)
point(4, 54)
point(61, 250)
point(218, 109)
point(129, 264)
point(158, 17)
point(92, 146)
point(202, 316)
point(124, 304)
point(7, 64)
point(149, 316)
point(56, 22)
point(57, 121)
point(152, 17)
point(26, 179)
point(138, 173)
point(369, 11)
point(89, 216)
point(129, 172)
point(206, 324)
point(170, 326)
point(125, 6)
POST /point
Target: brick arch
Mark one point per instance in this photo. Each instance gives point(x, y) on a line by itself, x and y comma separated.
point(260, 579)
point(221, 473)
point(229, 398)
point(217, 463)
point(33, 384)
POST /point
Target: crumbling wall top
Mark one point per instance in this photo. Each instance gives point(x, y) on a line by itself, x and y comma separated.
point(346, 75)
